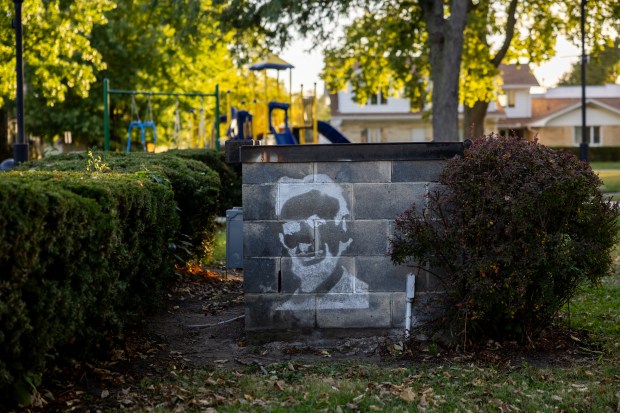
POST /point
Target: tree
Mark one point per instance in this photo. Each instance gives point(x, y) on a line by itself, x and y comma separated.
point(155, 45)
point(603, 67)
point(58, 56)
point(422, 46)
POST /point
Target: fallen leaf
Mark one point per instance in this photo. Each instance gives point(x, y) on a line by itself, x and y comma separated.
point(104, 394)
point(407, 395)
point(280, 384)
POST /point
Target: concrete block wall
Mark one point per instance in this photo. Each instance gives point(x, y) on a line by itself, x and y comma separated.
point(317, 224)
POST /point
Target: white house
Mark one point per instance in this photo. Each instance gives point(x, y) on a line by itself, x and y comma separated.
point(554, 116)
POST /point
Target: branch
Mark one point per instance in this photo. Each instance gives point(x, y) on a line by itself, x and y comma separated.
point(510, 31)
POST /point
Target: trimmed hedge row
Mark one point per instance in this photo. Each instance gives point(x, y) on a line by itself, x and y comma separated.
point(196, 186)
point(596, 153)
point(77, 253)
point(230, 175)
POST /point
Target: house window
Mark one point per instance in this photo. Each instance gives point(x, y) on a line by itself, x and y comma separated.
point(372, 135)
point(377, 99)
point(593, 135)
point(511, 97)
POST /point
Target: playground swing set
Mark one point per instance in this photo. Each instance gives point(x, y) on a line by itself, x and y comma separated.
point(149, 122)
point(241, 125)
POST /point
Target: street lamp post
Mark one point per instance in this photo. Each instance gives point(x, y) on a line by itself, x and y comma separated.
point(20, 148)
point(585, 135)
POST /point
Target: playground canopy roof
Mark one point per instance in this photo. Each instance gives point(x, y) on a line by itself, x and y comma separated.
point(272, 62)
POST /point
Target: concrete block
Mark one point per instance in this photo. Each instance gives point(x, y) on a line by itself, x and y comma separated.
point(259, 202)
point(354, 172)
point(260, 275)
point(386, 201)
point(269, 173)
point(426, 307)
point(262, 239)
point(317, 275)
point(354, 310)
point(363, 237)
point(279, 311)
point(416, 171)
point(380, 274)
point(398, 310)
point(299, 201)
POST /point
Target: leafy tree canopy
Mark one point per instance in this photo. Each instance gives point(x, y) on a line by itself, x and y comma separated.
point(414, 46)
point(58, 53)
point(603, 67)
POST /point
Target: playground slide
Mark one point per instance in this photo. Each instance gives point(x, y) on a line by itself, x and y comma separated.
point(331, 133)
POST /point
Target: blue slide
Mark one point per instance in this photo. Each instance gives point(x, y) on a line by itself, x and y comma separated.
point(331, 133)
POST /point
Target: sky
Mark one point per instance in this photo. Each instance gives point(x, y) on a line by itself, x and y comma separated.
point(309, 63)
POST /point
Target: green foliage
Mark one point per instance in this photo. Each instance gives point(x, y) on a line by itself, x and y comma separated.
point(596, 153)
point(230, 175)
point(196, 187)
point(603, 67)
point(512, 232)
point(80, 254)
point(59, 56)
point(171, 46)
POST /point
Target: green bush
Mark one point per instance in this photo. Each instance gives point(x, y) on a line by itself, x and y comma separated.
point(512, 232)
point(196, 186)
point(80, 254)
point(230, 175)
point(596, 153)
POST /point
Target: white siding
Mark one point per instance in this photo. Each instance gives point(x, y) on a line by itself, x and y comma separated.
point(348, 106)
point(594, 117)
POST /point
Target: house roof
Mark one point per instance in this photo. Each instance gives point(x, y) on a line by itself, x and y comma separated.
point(518, 75)
point(272, 62)
point(543, 120)
point(545, 110)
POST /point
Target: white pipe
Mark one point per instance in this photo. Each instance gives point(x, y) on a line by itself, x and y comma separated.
point(409, 302)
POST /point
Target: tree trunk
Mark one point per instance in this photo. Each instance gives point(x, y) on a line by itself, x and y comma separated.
point(5, 150)
point(473, 117)
point(445, 49)
point(473, 120)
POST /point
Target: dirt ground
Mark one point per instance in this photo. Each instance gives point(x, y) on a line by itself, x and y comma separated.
point(202, 324)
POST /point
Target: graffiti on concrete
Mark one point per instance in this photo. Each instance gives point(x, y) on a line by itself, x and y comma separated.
point(314, 211)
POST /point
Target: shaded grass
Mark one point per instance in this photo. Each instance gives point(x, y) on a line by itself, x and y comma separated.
point(459, 384)
point(605, 165)
point(349, 386)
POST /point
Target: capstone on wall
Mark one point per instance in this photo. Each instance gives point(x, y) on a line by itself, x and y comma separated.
point(317, 224)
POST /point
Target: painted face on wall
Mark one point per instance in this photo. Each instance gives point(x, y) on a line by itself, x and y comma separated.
point(314, 232)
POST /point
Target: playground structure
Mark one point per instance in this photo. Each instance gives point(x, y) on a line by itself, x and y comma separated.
point(149, 123)
point(277, 122)
point(272, 121)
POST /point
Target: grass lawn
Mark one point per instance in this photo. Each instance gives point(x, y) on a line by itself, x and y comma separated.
point(586, 380)
point(611, 180)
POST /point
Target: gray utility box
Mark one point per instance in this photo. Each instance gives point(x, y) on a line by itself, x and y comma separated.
point(234, 238)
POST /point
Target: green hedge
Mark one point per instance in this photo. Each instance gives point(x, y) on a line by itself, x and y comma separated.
point(196, 186)
point(596, 153)
point(77, 254)
point(230, 175)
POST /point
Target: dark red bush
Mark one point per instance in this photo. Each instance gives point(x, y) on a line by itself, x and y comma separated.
point(512, 232)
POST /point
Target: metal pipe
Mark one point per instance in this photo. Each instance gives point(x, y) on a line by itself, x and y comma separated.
point(409, 303)
point(583, 148)
point(20, 147)
point(106, 115)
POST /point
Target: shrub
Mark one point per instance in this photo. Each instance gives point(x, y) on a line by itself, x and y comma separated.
point(80, 255)
point(514, 229)
point(230, 175)
point(196, 186)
